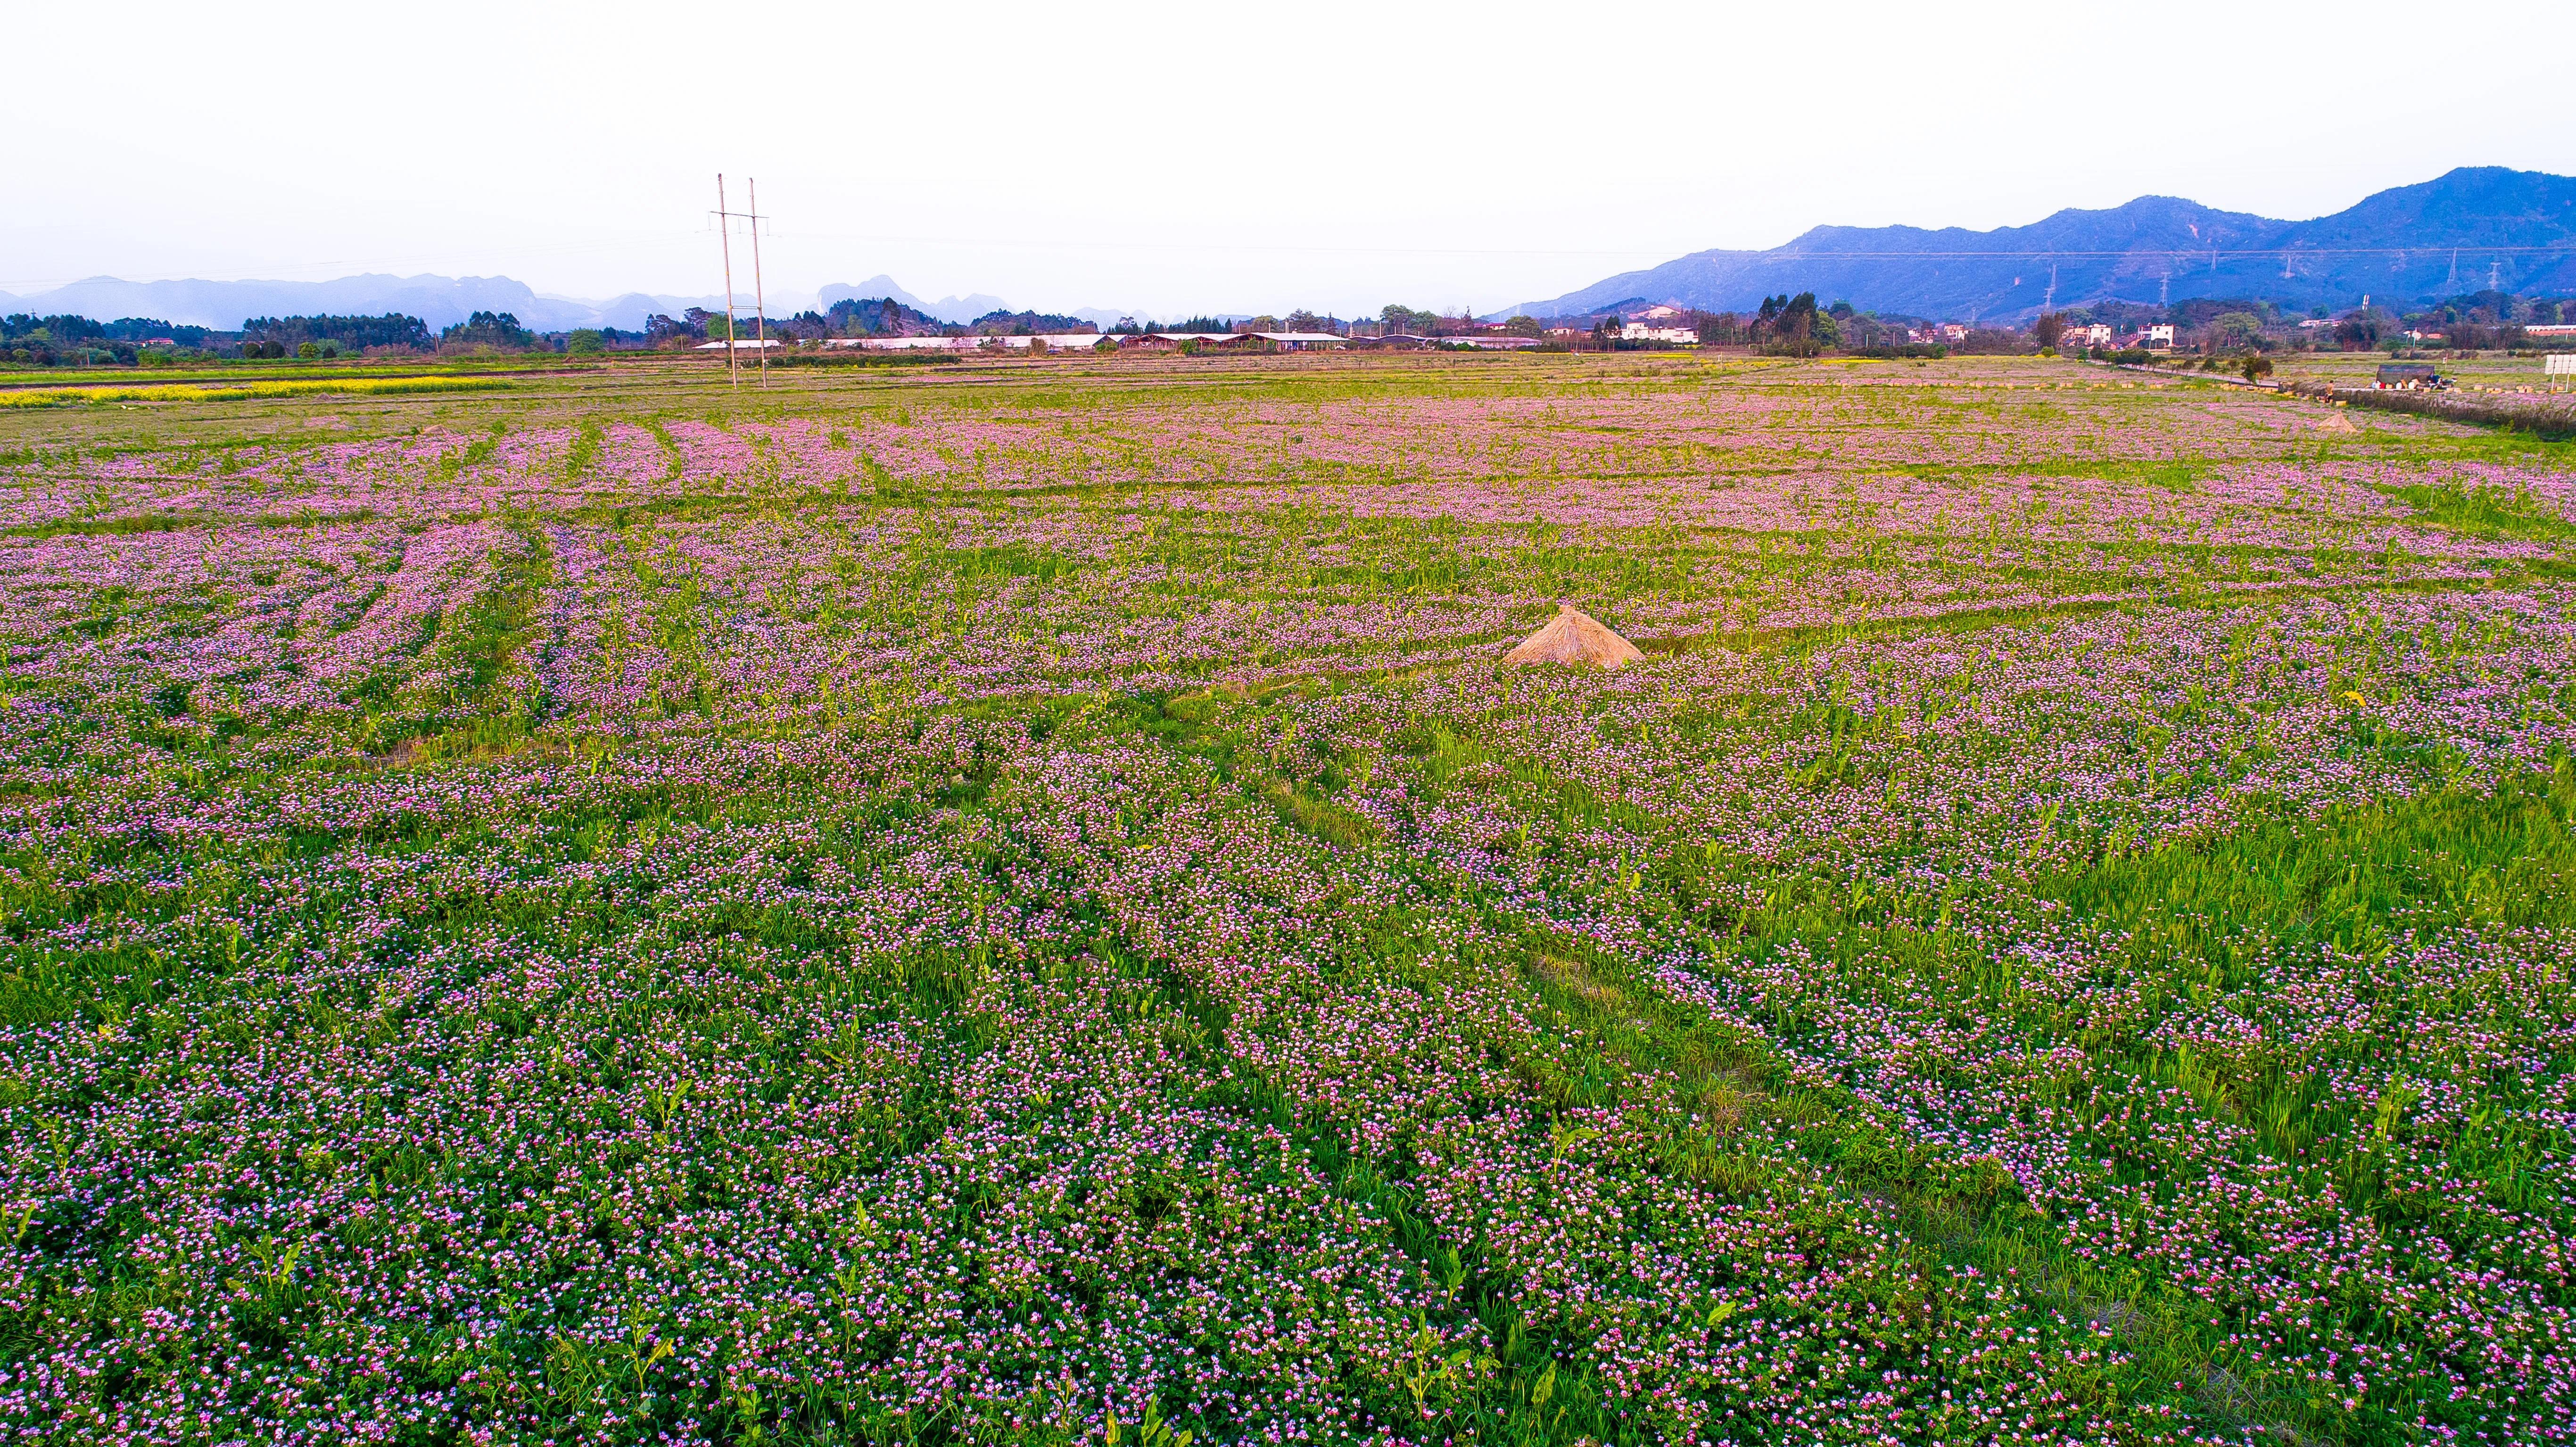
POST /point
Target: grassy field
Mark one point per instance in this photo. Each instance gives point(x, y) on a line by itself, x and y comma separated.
point(2487, 370)
point(1015, 902)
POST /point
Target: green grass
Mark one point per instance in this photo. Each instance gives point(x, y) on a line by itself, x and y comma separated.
point(247, 391)
point(2484, 510)
point(686, 871)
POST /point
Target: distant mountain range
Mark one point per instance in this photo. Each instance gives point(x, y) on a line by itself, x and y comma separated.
point(2399, 245)
point(444, 301)
point(2413, 243)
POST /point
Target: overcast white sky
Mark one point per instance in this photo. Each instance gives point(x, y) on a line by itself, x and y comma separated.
point(1168, 158)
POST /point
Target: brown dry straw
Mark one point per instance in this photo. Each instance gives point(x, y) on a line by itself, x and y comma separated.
point(1575, 638)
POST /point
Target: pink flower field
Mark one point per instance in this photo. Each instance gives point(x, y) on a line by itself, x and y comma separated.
point(1017, 903)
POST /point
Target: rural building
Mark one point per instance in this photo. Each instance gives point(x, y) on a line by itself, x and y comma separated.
point(740, 344)
point(1055, 342)
point(1669, 336)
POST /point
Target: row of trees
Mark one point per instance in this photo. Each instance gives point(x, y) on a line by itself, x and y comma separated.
point(146, 341)
point(1405, 321)
point(351, 333)
point(68, 340)
point(2232, 326)
point(879, 316)
point(1795, 324)
point(498, 330)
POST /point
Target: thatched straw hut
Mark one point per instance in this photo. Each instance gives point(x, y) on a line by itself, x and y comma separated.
point(1575, 638)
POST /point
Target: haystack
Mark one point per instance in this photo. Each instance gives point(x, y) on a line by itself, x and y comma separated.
point(1574, 638)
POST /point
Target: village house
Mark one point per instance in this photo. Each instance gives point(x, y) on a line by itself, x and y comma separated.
point(1639, 331)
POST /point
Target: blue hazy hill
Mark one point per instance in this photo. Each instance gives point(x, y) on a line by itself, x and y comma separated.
point(2397, 244)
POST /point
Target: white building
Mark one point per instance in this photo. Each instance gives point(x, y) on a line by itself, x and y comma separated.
point(1670, 336)
point(1085, 341)
point(1055, 342)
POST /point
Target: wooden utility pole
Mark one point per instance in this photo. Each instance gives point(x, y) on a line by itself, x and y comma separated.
point(760, 303)
point(724, 225)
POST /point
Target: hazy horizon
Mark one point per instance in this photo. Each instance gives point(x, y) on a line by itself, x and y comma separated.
point(1168, 161)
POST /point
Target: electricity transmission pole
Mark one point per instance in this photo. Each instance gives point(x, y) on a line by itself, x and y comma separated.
point(759, 302)
point(759, 299)
point(724, 229)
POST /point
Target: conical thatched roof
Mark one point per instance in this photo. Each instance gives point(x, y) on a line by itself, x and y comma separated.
point(1573, 638)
